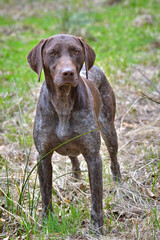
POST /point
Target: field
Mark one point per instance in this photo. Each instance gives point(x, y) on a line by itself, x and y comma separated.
point(125, 35)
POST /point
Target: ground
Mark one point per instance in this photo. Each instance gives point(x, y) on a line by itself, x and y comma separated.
point(126, 39)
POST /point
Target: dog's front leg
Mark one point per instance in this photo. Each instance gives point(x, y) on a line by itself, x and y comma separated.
point(96, 185)
point(45, 178)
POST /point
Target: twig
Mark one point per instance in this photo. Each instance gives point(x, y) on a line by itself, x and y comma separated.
point(124, 145)
point(144, 166)
point(133, 104)
point(148, 80)
point(153, 100)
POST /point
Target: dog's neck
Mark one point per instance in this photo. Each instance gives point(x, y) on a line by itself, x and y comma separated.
point(62, 100)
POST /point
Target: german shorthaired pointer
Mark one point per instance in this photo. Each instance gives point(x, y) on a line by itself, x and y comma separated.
point(74, 100)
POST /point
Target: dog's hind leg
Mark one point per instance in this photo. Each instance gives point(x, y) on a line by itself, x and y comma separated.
point(108, 130)
point(110, 137)
point(75, 167)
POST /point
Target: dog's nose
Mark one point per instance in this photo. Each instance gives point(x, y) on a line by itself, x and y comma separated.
point(67, 73)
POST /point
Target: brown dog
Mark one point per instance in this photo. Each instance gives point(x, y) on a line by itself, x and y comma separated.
point(74, 100)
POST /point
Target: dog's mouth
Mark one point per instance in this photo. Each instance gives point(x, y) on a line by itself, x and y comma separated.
point(65, 89)
point(67, 83)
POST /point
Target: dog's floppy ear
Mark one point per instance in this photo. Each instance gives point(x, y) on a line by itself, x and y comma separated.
point(35, 58)
point(90, 55)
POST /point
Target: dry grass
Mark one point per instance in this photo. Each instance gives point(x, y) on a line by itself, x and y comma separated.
point(131, 209)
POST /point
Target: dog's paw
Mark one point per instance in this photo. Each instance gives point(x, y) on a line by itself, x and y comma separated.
point(96, 225)
point(95, 229)
point(117, 178)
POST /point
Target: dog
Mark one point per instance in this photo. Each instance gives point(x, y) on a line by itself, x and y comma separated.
point(76, 103)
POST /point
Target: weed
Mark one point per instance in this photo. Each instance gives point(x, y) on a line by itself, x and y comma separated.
point(130, 212)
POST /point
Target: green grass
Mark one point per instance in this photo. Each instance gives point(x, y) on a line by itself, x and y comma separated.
point(109, 30)
point(117, 43)
point(119, 47)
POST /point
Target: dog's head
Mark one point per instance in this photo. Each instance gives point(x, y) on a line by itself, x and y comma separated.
point(61, 57)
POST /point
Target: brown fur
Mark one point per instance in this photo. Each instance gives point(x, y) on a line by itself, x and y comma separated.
point(70, 105)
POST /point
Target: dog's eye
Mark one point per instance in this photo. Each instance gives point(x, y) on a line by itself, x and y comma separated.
point(53, 53)
point(75, 51)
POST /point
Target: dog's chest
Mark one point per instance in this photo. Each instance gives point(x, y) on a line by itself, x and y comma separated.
point(63, 128)
point(75, 124)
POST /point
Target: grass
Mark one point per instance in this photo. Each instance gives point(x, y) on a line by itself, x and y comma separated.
point(132, 210)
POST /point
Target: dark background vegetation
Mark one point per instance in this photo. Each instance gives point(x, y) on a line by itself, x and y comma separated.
point(125, 35)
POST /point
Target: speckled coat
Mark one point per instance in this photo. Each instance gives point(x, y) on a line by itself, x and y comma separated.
point(75, 98)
